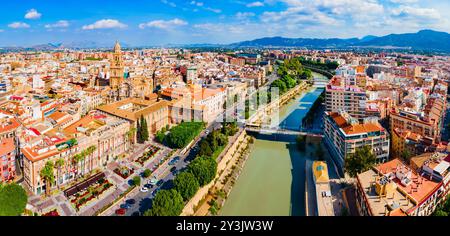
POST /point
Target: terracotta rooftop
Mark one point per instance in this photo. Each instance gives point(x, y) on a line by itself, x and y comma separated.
point(8, 124)
point(138, 108)
point(420, 187)
point(351, 129)
point(6, 146)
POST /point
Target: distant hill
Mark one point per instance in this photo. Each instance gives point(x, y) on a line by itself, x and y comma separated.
point(422, 40)
point(296, 42)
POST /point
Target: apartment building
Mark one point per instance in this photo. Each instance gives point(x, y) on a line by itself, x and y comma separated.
point(7, 159)
point(349, 98)
point(343, 134)
point(427, 121)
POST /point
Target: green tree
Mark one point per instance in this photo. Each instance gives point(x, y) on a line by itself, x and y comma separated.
point(289, 81)
point(406, 155)
point(186, 184)
point(131, 134)
point(160, 136)
point(280, 85)
point(182, 134)
point(204, 169)
point(48, 176)
point(166, 203)
point(205, 149)
point(13, 199)
point(137, 180)
point(59, 164)
point(440, 213)
point(144, 129)
point(147, 173)
point(362, 160)
point(138, 131)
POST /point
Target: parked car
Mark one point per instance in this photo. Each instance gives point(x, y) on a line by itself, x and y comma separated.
point(173, 169)
point(160, 182)
point(125, 206)
point(144, 190)
point(131, 201)
point(121, 211)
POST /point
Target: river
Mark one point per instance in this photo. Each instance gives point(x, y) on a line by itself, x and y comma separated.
point(272, 181)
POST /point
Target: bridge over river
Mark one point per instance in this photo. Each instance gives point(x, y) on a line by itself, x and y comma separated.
point(276, 130)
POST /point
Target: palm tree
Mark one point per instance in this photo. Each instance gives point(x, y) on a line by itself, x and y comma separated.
point(48, 176)
point(131, 134)
point(59, 164)
point(83, 154)
point(75, 160)
point(90, 151)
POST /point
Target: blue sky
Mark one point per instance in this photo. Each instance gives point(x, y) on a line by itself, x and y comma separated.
point(159, 22)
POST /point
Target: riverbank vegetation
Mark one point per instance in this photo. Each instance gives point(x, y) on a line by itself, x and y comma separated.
point(327, 68)
point(201, 171)
point(166, 203)
point(312, 113)
point(291, 73)
point(186, 184)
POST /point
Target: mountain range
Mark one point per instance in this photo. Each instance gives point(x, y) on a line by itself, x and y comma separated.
point(427, 40)
point(424, 40)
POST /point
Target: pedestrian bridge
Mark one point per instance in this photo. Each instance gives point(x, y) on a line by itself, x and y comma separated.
point(276, 130)
point(320, 82)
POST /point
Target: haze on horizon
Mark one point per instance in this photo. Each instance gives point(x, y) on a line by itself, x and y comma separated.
point(160, 22)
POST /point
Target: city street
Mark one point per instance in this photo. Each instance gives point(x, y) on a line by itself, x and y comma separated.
point(163, 174)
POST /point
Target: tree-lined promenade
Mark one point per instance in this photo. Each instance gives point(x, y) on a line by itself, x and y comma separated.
point(201, 171)
point(291, 73)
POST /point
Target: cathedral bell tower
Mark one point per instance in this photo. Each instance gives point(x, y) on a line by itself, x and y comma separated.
point(116, 68)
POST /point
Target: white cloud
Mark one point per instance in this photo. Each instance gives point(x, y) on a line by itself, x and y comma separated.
point(163, 24)
point(198, 4)
point(18, 25)
point(244, 15)
point(255, 4)
point(172, 4)
point(32, 14)
point(105, 24)
point(1, 30)
point(415, 12)
point(403, 1)
point(213, 10)
point(59, 24)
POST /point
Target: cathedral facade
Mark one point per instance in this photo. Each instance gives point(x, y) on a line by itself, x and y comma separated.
point(122, 87)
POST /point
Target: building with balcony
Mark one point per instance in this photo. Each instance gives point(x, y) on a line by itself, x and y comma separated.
point(7, 159)
point(343, 134)
point(341, 96)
